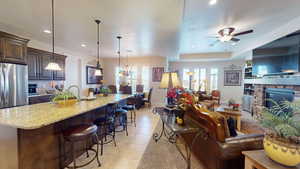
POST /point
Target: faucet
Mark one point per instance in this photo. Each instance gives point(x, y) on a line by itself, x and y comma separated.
point(78, 91)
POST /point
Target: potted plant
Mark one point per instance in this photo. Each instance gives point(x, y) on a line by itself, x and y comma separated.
point(64, 98)
point(105, 91)
point(282, 137)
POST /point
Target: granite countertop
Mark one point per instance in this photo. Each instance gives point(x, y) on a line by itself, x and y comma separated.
point(40, 115)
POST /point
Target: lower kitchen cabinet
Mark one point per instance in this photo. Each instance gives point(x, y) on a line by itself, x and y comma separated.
point(40, 99)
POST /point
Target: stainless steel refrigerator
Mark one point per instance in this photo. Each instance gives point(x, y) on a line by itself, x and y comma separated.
point(13, 85)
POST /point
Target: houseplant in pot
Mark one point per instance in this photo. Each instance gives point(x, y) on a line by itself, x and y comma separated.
point(64, 98)
point(282, 137)
point(105, 90)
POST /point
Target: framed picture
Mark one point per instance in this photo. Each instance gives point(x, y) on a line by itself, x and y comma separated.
point(157, 73)
point(232, 77)
point(90, 75)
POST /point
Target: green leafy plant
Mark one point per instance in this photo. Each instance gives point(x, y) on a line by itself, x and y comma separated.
point(64, 95)
point(282, 120)
point(105, 90)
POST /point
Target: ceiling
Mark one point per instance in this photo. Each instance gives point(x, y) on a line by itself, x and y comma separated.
point(149, 28)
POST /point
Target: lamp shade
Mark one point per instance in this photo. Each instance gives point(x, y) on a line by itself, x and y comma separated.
point(98, 72)
point(53, 66)
point(169, 80)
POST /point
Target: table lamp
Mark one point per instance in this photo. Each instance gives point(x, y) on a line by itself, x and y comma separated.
point(168, 81)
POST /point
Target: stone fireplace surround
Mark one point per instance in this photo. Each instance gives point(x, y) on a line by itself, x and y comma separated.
point(260, 84)
point(259, 95)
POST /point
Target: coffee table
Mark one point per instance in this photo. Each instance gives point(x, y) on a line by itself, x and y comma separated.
point(235, 114)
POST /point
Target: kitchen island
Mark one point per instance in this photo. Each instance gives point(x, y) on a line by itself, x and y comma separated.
point(30, 136)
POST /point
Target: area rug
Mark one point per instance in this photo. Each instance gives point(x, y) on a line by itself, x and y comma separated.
point(249, 126)
point(164, 155)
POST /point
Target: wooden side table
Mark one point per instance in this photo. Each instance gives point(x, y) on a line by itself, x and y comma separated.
point(258, 160)
point(235, 114)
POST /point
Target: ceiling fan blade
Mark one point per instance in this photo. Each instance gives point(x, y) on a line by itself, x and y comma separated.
point(243, 33)
point(214, 43)
point(235, 39)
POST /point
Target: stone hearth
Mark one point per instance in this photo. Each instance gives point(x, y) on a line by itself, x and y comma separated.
point(259, 95)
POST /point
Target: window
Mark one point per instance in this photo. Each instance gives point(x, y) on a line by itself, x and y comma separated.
point(146, 77)
point(199, 79)
point(132, 79)
point(213, 79)
point(185, 78)
point(117, 78)
point(203, 79)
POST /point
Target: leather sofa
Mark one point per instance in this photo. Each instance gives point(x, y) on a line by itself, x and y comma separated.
point(218, 150)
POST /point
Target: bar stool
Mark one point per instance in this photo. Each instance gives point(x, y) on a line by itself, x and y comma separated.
point(121, 120)
point(131, 109)
point(82, 133)
point(106, 125)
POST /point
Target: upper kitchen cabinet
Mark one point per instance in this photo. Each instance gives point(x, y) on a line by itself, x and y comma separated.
point(33, 63)
point(13, 49)
point(61, 61)
point(37, 62)
point(44, 59)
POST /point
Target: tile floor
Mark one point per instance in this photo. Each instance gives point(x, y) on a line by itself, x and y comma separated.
point(129, 148)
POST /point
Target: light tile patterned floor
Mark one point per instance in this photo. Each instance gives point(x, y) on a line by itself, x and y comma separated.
point(130, 148)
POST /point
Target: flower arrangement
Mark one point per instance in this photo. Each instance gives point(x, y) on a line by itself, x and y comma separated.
point(173, 94)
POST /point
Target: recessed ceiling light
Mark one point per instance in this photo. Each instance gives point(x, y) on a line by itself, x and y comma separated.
point(83, 45)
point(47, 31)
point(212, 2)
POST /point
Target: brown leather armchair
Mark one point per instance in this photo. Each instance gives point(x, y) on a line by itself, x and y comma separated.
point(216, 95)
point(219, 150)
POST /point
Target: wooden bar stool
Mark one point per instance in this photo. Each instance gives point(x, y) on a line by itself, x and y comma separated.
point(82, 133)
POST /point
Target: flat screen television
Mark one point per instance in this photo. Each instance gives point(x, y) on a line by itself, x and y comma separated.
point(278, 57)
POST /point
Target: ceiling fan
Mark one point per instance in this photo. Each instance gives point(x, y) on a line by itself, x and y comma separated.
point(228, 35)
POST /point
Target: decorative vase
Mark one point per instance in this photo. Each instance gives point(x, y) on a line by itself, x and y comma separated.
point(179, 114)
point(64, 103)
point(284, 153)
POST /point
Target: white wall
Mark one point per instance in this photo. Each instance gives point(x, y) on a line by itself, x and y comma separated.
point(227, 92)
point(110, 64)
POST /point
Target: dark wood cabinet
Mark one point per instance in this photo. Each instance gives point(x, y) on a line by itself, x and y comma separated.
point(44, 59)
point(33, 64)
point(61, 61)
point(37, 62)
point(40, 99)
point(13, 49)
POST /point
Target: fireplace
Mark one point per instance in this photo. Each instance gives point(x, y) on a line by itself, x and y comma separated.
point(278, 95)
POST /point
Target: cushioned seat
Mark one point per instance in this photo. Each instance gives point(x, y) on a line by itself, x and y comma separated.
point(119, 110)
point(79, 132)
point(128, 107)
point(82, 133)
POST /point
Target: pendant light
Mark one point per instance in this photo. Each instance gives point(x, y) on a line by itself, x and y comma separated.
point(127, 71)
point(98, 71)
point(53, 65)
point(119, 53)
